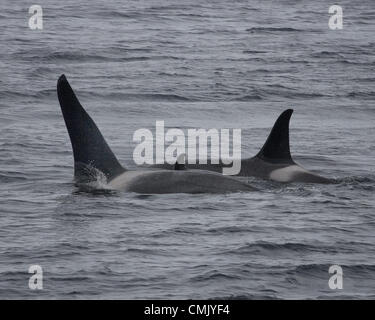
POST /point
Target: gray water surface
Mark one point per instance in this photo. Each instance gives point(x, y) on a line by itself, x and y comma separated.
point(193, 64)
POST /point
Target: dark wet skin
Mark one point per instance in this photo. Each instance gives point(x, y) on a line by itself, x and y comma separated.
point(274, 155)
point(92, 155)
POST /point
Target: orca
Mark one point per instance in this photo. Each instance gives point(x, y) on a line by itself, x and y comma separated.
point(273, 161)
point(93, 159)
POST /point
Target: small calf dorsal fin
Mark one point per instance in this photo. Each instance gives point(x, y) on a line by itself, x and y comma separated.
point(276, 148)
point(180, 163)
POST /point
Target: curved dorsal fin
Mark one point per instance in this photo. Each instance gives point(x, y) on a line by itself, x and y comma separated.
point(180, 163)
point(90, 150)
point(276, 148)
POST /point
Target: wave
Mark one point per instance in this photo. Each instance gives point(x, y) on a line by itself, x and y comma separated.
point(253, 51)
point(357, 179)
point(361, 94)
point(230, 229)
point(10, 94)
point(176, 231)
point(214, 275)
point(112, 54)
point(365, 183)
point(139, 96)
point(12, 177)
point(259, 296)
point(249, 97)
point(280, 92)
point(73, 56)
point(118, 14)
point(262, 246)
point(327, 54)
point(273, 29)
point(79, 56)
point(318, 269)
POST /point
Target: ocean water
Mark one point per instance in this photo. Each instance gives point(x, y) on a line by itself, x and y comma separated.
point(193, 64)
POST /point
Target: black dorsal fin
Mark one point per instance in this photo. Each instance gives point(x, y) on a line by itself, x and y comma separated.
point(180, 163)
point(90, 150)
point(276, 148)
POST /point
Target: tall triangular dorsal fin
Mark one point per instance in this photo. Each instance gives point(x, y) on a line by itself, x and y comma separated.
point(180, 163)
point(276, 148)
point(90, 150)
